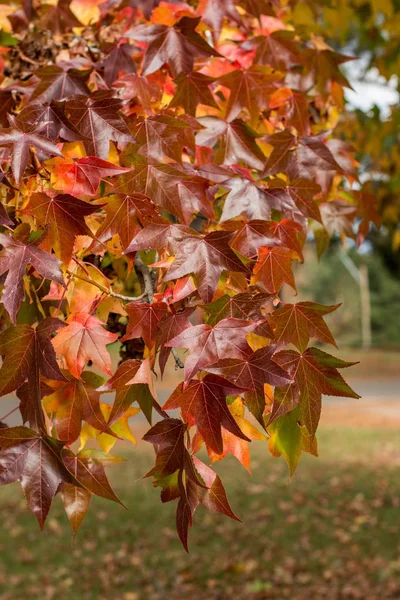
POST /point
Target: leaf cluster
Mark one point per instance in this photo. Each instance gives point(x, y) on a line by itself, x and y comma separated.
point(162, 167)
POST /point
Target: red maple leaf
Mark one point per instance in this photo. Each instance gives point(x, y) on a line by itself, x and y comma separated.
point(84, 339)
point(204, 402)
point(205, 257)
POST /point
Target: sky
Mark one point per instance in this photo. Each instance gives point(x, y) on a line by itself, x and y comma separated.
point(370, 89)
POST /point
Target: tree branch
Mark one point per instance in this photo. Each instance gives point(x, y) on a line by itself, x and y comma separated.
point(109, 292)
point(145, 278)
point(179, 364)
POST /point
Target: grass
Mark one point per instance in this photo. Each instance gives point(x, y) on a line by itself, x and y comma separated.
point(333, 532)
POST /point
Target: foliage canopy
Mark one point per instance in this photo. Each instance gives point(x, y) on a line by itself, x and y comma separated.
point(163, 164)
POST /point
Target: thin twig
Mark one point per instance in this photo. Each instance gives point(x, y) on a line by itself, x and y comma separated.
point(27, 59)
point(62, 298)
point(109, 292)
point(179, 364)
point(128, 298)
point(9, 413)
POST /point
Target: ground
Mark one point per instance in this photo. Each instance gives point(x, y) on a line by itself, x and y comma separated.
point(332, 532)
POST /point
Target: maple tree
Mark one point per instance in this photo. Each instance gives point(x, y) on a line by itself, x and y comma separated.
point(162, 166)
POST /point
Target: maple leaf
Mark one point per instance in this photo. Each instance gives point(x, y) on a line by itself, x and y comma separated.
point(205, 402)
point(343, 153)
point(57, 83)
point(293, 106)
point(206, 257)
point(14, 258)
point(238, 141)
point(161, 136)
point(256, 8)
point(297, 323)
point(64, 215)
point(214, 11)
point(213, 497)
point(76, 503)
point(4, 218)
point(169, 186)
point(303, 192)
point(26, 349)
point(249, 89)
point(247, 198)
point(325, 64)
point(118, 61)
point(278, 160)
point(193, 89)
point(21, 137)
point(279, 49)
point(234, 445)
point(136, 86)
point(52, 116)
point(178, 45)
point(27, 353)
point(338, 215)
point(160, 234)
point(58, 18)
point(288, 438)
point(6, 106)
point(208, 344)
point(31, 404)
point(241, 306)
point(132, 382)
point(83, 175)
point(312, 155)
point(315, 373)
point(274, 268)
point(251, 236)
point(167, 436)
point(143, 321)
point(302, 161)
point(287, 232)
point(251, 372)
point(88, 468)
point(118, 430)
point(73, 401)
point(36, 462)
point(99, 122)
point(125, 216)
point(170, 326)
point(368, 211)
point(84, 339)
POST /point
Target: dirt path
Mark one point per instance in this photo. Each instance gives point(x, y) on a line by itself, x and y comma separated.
point(378, 407)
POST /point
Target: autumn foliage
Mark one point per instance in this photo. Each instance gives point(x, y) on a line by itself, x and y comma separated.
point(162, 166)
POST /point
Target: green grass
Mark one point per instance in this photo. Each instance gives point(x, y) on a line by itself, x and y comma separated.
point(333, 532)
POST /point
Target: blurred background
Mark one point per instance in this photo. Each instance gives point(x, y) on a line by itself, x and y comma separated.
point(333, 530)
